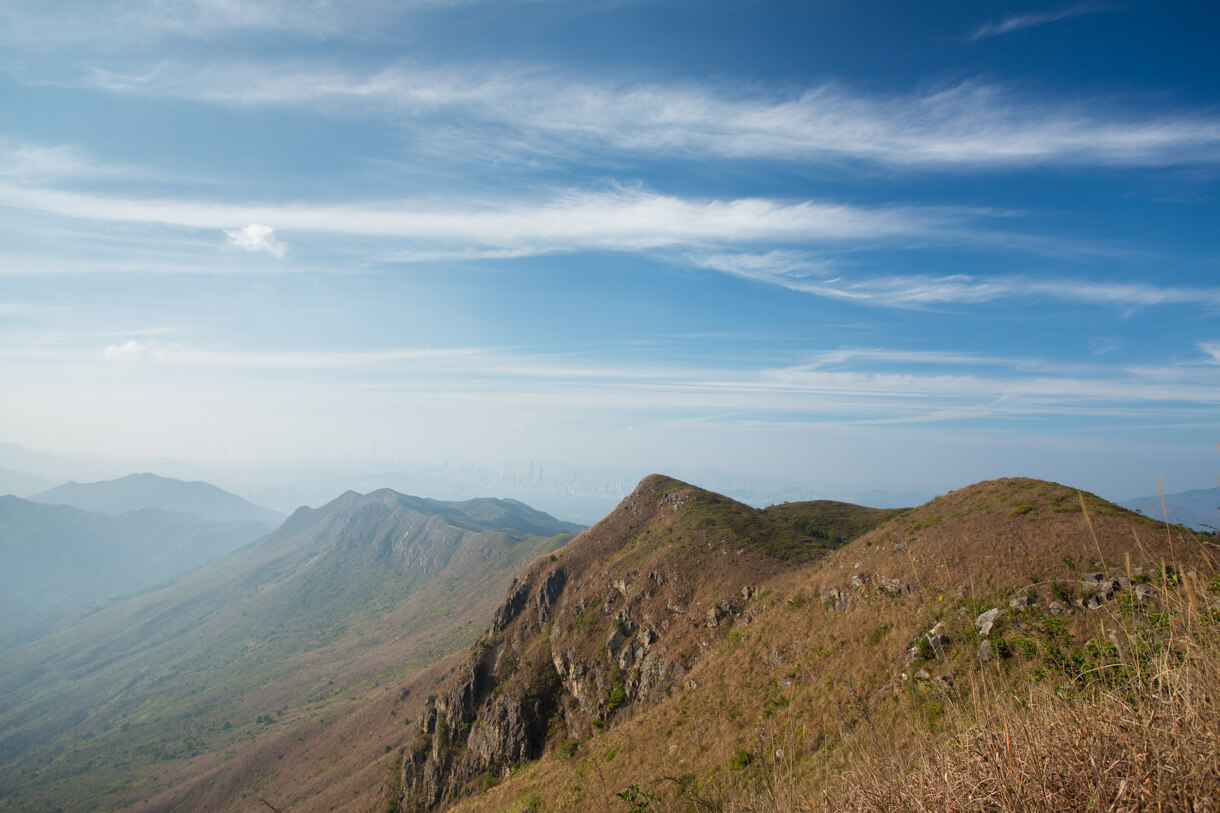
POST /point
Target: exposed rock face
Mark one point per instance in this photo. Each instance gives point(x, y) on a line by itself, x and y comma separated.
point(613, 620)
point(548, 592)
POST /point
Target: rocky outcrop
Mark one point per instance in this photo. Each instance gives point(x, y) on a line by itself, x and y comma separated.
point(612, 621)
point(486, 719)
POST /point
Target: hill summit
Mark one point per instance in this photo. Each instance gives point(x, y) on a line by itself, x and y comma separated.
point(619, 616)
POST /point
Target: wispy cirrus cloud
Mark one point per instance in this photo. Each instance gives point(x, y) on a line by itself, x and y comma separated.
point(852, 386)
point(833, 380)
point(796, 271)
point(142, 22)
point(969, 125)
point(151, 350)
point(618, 219)
point(50, 163)
point(714, 234)
point(1017, 22)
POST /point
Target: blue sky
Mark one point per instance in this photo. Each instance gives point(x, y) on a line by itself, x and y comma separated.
point(850, 245)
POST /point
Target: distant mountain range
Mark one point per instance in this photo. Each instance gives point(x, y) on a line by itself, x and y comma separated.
point(1198, 509)
point(136, 491)
point(20, 484)
point(244, 655)
point(56, 557)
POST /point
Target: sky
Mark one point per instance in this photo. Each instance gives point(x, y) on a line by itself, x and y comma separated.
point(844, 244)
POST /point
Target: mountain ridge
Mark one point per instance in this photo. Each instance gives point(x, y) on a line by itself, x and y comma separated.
point(623, 607)
point(607, 644)
point(337, 605)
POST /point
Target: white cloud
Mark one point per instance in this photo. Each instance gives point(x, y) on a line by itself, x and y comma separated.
point(134, 350)
point(971, 124)
point(621, 219)
point(1212, 349)
point(1018, 22)
point(257, 238)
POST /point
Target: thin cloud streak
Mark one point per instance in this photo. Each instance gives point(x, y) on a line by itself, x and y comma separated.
point(1018, 22)
point(797, 272)
point(138, 23)
point(800, 389)
point(970, 124)
point(178, 355)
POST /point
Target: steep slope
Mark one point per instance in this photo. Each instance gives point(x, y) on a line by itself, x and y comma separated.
point(176, 696)
point(136, 491)
point(692, 653)
point(55, 557)
point(617, 617)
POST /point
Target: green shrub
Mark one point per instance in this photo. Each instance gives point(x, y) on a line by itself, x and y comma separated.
point(637, 800)
point(617, 698)
point(741, 759)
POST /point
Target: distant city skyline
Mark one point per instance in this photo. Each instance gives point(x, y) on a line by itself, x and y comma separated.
point(837, 247)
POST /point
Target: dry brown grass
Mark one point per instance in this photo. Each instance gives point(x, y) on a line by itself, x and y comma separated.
point(1104, 750)
point(807, 708)
point(1140, 732)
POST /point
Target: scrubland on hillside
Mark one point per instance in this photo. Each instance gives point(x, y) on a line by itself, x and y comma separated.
point(859, 679)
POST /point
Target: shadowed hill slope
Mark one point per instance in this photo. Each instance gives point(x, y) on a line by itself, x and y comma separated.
point(168, 698)
point(692, 652)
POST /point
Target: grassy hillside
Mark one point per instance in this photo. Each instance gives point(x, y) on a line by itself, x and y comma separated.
point(175, 697)
point(836, 522)
point(851, 679)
